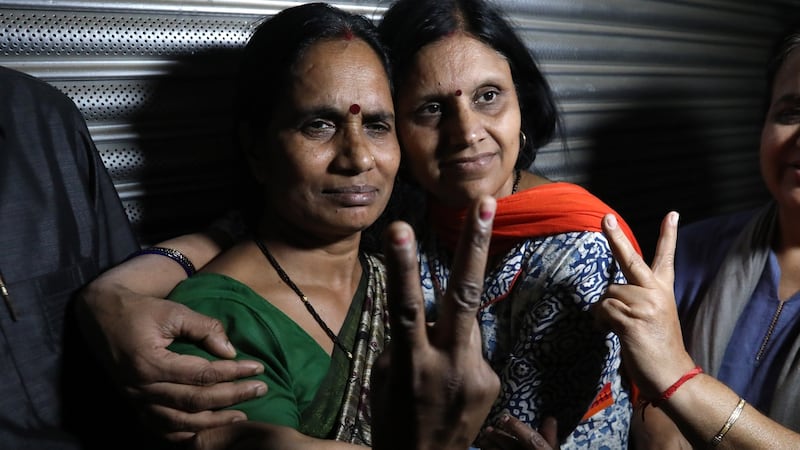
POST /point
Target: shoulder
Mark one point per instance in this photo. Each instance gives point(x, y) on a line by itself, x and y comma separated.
point(700, 249)
point(209, 292)
point(39, 118)
point(25, 91)
point(579, 243)
point(708, 239)
point(571, 254)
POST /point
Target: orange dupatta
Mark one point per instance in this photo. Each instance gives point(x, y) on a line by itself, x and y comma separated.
point(543, 210)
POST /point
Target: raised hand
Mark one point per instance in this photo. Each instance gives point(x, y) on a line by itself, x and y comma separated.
point(432, 389)
point(643, 312)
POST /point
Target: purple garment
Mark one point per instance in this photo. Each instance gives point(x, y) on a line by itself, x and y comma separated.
point(701, 248)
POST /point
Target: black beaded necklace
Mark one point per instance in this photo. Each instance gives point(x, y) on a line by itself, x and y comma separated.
point(303, 298)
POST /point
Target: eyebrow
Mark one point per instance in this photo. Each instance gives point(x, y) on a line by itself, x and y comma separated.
point(790, 98)
point(384, 116)
point(326, 112)
point(333, 113)
point(440, 93)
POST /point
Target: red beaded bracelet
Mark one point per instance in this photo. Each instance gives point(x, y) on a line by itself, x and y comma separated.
point(671, 390)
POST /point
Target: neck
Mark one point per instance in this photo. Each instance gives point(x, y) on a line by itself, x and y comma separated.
point(334, 265)
point(788, 229)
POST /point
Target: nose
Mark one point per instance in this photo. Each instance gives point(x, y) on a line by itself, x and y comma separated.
point(355, 151)
point(464, 125)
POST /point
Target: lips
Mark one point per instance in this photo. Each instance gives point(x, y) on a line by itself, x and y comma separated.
point(477, 163)
point(354, 195)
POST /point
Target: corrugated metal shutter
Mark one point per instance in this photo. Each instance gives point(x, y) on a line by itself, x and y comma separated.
point(662, 99)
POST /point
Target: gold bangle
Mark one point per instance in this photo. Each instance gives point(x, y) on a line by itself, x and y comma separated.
point(729, 423)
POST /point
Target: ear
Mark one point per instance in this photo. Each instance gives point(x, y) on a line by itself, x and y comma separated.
point(253, 150)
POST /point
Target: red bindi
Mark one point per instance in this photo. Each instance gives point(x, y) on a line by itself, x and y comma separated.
point(348, 35)
point(355, 109)
point(458, 93)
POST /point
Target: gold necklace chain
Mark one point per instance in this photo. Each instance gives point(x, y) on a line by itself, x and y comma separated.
point(303, 298)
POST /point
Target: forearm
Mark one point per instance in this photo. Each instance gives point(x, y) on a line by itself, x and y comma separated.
point(155, 275)
point(701, 408)
point(652, 428)
point(109, 304)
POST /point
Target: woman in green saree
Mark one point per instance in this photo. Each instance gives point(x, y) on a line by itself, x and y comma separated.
point(316, 126)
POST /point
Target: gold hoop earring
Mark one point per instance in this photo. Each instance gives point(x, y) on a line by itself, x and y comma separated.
point(523, 139)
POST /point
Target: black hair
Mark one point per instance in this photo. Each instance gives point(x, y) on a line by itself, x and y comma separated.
point(410, 25)
point(280, 41)
point(786, 43)
point(267, 68)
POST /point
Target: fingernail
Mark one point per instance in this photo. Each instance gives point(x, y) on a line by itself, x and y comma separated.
point(486, 210)
point(255, 368)
point(230, 347)
point(261, 389)
point(238, 419)
point(611, 221)
point(673, 218)
point(401, 238)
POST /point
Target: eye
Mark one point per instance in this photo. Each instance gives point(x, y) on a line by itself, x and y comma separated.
point(318, 127)
point(487, 96)
point(430, 109)
point(788, 116)
point(378, 128)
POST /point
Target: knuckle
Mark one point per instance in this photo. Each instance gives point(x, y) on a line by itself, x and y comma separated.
point(207, 376)
point(407, 311)
point(216, 326)
point(632, 264)
point(480, 239)
point(195, 401)
point(467, 294)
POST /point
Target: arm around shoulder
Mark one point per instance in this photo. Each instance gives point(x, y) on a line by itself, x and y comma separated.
point(129, 324)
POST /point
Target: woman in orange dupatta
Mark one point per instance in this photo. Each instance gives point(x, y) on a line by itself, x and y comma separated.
point(472, 109)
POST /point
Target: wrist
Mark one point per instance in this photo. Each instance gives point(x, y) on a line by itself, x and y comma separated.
point(668, 392)
point(670, 373)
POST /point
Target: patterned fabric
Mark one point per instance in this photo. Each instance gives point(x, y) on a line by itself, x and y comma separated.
point(372, 336)
point(320, 395)
point(539, 336)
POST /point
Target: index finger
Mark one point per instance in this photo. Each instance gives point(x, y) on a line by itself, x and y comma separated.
point(632, 265)
point(404, 290)
point(462, 299)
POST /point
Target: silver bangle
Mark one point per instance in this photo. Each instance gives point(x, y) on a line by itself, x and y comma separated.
point(172, 254)
point(729, 423)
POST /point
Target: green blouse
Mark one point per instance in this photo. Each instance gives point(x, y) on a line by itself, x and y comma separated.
point(295, 366)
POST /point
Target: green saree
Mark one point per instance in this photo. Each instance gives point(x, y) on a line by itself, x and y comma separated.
point(321, 395)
